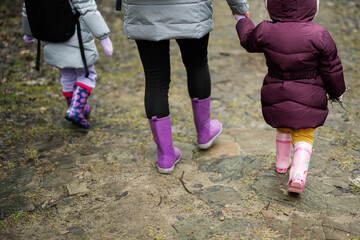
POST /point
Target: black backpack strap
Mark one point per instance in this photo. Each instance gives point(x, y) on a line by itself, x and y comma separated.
point(118, 5)
point(38, 55)
point(82, 51)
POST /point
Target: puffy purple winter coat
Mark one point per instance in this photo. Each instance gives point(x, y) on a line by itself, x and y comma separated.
point(303, 64)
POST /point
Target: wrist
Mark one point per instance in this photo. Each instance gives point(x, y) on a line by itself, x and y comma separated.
point(239, 17)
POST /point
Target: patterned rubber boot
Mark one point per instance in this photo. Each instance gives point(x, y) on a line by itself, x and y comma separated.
point(299, 168)
point(75, 113)
point(207, 130)
point(168, 155)
point(87, 109)
point(283, 152)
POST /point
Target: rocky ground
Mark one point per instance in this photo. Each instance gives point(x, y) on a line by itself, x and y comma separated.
point(61, 182)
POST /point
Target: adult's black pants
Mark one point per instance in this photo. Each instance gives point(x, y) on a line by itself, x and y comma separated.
point(155, 57)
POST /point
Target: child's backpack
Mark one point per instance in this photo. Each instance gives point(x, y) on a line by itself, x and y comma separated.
point(53, 21)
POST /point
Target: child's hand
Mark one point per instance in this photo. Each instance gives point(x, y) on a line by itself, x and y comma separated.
point(340, 98)
point(29, 39)
point(107, 45)
point(238, 17)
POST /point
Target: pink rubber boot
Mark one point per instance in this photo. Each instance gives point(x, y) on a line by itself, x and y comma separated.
point(283, 152)
point(299, 168)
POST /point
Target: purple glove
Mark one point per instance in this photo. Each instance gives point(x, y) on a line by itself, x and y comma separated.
point(107, 45)
point(239, 17)
point(28, 39)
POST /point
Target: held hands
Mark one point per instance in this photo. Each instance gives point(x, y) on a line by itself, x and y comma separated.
point(29, 39)
point(107, 45)
point(238, 17)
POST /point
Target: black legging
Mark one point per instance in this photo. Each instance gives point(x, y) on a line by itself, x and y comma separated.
point(155, 58)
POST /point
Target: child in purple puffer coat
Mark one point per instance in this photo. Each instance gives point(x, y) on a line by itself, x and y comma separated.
point(303, 66)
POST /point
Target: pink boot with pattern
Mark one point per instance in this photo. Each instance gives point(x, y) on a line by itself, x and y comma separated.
point(299, 168)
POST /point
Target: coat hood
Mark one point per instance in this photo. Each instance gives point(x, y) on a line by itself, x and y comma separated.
point(292, 10)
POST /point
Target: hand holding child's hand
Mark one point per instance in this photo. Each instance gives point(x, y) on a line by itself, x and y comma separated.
point(107, 45)
point(238, 17)
point(29, 39)
point(247, 14)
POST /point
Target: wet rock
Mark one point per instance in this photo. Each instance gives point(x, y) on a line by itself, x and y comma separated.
point(271, 187)
point(66, 205)
point(58, 178)
point(75, 188)
point(268, 214)
point(341, 227)
point(16, 204)
point(203, 227)
point(223, 147)
point(306, 227)
point(227, 167)
point(261, 140)
point(219, 195)
point(49, 145)
point(17, 181)
point(76, 230)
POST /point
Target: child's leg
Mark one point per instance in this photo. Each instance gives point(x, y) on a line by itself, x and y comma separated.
point(68, 79)
point(283, 149)
point(82, 90)
point(86, 82)
point(302, 140)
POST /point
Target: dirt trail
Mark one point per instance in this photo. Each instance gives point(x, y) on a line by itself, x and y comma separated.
point(59, 182)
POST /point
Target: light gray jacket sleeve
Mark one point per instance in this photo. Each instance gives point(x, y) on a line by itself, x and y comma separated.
point(238, 6)
point(92, 18)
point(25, 23)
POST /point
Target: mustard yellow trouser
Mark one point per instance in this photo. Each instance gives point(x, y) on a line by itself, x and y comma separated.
point(300, 135)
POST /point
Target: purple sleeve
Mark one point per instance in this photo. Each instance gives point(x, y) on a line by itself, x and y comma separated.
point(331, 69)
point(248, 35)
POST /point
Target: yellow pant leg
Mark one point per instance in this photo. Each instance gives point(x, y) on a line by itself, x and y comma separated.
point(284, 130)
point(303, 135)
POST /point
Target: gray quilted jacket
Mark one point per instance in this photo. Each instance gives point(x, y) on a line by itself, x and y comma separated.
point(172, 19)
point(67, 54)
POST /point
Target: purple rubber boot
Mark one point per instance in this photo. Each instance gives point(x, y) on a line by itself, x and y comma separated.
point(75, 113)
point(87, 109)
point(207, 130)
point(168, 155)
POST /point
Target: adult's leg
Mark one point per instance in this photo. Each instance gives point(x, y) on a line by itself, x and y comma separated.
point(156, 63)
point(194, 55)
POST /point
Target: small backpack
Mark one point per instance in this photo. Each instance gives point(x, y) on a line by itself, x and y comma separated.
point(54, 21)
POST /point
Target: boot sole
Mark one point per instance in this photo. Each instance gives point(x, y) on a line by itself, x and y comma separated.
point(168, 170)
point(209, 144)
point(295, 187)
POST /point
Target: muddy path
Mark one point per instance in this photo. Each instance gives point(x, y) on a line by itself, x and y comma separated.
point(60, 182)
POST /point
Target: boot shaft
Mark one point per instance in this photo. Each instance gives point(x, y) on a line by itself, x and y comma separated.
point(161, 131)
